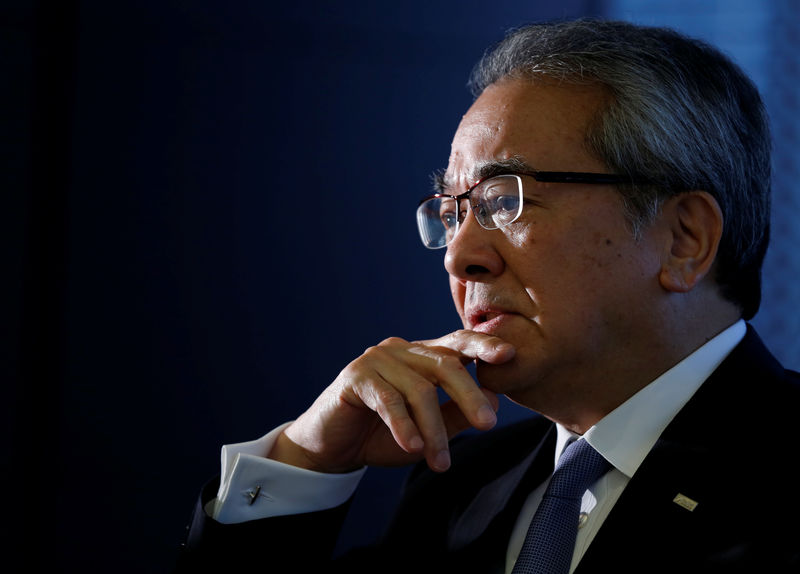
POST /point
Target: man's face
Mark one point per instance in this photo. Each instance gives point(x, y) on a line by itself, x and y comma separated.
point(566, 284)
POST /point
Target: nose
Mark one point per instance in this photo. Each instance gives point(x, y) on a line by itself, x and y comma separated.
point(471, 254)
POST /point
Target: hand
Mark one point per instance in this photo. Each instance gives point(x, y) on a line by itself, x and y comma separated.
point(383, 409)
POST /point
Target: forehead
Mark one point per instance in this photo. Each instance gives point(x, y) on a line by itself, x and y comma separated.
point(542, 123)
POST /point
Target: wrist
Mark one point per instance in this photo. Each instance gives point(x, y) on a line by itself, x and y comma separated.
point(287, 451)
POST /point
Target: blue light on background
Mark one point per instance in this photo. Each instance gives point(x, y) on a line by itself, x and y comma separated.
point(762, 38)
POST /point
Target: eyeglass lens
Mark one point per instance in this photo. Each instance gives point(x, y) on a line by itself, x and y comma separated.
point(495, 202)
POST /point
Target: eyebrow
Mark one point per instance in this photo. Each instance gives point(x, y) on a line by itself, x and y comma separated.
point(484, 171)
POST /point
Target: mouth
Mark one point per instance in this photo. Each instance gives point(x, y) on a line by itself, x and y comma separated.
point(484, 317)
point(478, 317)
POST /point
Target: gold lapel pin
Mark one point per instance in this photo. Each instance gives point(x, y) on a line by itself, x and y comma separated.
point(685, 502)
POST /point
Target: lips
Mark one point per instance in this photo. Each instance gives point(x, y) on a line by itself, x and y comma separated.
point(484, 317)
point(479, 316)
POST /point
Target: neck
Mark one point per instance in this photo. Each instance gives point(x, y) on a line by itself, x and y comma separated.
point(638, 363)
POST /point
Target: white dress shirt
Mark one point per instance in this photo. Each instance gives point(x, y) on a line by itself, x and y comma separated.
point(625, 436)
point(255, 487)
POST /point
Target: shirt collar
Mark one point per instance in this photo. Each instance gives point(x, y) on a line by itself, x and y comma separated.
point(626, 434)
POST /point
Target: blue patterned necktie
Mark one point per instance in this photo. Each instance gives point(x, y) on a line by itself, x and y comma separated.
point(550, 541)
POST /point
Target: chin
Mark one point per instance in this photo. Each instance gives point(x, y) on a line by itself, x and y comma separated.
point(520, 384)
point(500, 379)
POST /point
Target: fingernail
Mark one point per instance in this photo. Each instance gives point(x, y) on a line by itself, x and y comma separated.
point(442, 460)
point(486, 415)
point(505, 348)
point(416, 443)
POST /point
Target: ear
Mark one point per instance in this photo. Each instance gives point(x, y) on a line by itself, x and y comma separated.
point(695, 221)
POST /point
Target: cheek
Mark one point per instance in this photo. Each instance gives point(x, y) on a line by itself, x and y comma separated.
point(569, 268)
point(522, 235)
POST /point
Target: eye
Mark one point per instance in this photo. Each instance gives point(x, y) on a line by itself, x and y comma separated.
point(498, 202)
point(500, 195)
point(503, 203)
point(447, 213)
point(448, 218)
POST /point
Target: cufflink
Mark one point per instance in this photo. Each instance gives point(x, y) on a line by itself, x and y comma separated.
point(253, 494)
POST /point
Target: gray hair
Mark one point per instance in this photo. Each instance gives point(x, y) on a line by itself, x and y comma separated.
point(681, 115)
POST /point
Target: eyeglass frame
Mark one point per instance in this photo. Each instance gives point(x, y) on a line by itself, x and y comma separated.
point(577, 177)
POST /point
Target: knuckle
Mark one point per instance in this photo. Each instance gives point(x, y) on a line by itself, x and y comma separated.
point(462, 336)
point(449, 362)
point(374, 352)
point(424, 391)
point(389, 400)
point(369, 351)
point(393, 342)
point(359, 364)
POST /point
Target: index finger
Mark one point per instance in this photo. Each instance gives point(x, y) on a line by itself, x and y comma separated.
point(472, 345)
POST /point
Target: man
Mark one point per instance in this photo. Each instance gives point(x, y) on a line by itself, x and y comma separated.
point(605, 211)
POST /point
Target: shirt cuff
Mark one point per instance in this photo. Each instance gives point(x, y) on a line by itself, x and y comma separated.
point(254, 487)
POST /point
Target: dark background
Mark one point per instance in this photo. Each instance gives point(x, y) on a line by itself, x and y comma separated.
point(209, 209)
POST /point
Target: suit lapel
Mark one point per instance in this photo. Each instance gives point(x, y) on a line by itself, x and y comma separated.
point(652, 521)
point(682, 504)
point(478, 534)
point(498, 501)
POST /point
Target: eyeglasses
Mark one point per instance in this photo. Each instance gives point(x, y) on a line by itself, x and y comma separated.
point(496, 202)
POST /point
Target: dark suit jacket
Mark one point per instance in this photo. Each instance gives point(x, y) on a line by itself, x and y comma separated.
point(732, 449)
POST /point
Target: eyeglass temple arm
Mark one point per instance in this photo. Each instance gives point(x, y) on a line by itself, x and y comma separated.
point(581, 177)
